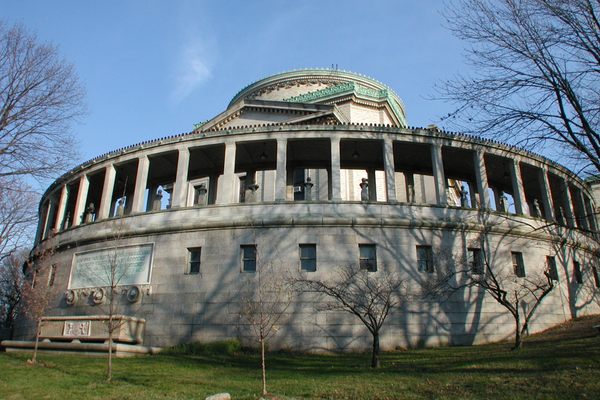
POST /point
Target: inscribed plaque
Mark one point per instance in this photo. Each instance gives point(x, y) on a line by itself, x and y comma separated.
point(112, 266)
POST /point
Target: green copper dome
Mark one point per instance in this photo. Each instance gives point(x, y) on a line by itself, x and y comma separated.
point(323, 86)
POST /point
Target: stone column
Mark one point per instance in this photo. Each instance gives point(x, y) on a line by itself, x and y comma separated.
point(372, 184)
point(569, 214)
point(336, 194)
point(46, 218)
point(579, 203)
point(80, 205)
point(388, 166)
point(251, 188)
point(438, 175)
point(141, 179)
point(181, 183)
point(107, 192)
point(43, 212)
point(411, 190)
point(546, 195)
point(518, 190)
point(590, 215)
point(281, 173)
point(226, 187)
point(212, 189)
point(481, 179)
point(497, 196)
point(60, 211)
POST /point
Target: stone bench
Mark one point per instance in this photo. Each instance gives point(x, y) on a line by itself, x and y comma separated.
point(92, 328)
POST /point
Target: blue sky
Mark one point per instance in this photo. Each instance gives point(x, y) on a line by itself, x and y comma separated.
point(154, 68)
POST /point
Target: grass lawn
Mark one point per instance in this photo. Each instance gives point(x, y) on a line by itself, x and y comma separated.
point(555, 365)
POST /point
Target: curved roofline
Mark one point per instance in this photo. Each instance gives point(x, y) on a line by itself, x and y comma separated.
point(259, 128)
point(297, 73)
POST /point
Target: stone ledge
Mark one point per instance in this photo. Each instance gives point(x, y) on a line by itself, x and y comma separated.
point(88, 349)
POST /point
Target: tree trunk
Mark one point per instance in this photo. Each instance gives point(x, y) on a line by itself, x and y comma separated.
point(375, 352)
point(37, 341)
point(12, 332)
point(518, 337)
point(110, 348)
point(263, 366)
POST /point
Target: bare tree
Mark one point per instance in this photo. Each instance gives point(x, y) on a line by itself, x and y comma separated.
point(264, 300)
point(12, 287)
point(114, 273)
point(370, 296)
point(518, 291)
point(40, 96)
point(113, 278)
point(536, 75)
point(17, 215)
point(35, 294)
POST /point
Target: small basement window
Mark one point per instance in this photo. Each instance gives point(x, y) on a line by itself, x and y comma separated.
point(475, 261)
point(248, 257)
point(518, 265)
point(194, 255)
point(367, 258)
point(577, 272)
point(552, 269)
point(308, 257)
point(425, 259)
point(52, 275)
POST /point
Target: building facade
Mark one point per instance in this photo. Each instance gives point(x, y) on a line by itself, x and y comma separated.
point(308, 171)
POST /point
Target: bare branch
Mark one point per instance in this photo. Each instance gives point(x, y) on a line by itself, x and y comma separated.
point(40, 95)
point(536, 79)
point(369, 296)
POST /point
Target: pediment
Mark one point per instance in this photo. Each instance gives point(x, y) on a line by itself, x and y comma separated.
point(264, 112)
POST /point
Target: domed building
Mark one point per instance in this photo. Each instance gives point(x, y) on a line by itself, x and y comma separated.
point(310, 170)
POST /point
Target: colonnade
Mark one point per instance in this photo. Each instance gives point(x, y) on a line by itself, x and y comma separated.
point(548, 193)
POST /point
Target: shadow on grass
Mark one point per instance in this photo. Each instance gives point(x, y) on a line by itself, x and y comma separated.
point(534, 358)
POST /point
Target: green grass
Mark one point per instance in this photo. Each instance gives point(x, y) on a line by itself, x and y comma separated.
point(562, 369)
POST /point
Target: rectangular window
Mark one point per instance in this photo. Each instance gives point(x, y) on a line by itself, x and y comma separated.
point(367, 257)
point(518, 265)
point(475, 261)
point(577, 272)
point(52, 275)
point(194, 260)
point(596, 276)
point(425, 259)
point(308, 257)
point(248, 257)
point(552, 269)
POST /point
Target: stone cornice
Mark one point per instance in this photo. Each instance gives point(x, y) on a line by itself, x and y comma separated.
point(270, 215)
